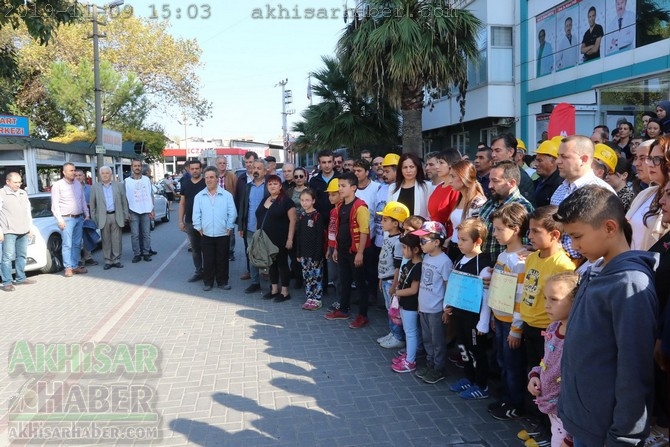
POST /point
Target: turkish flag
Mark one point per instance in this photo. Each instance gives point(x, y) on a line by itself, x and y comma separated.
point(562, 121)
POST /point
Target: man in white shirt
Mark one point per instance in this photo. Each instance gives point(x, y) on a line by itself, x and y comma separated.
point(141, 206)
point(568, 47)
point(621, 29)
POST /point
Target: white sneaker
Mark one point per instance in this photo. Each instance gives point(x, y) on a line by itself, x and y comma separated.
point(381, 340)
point(392, 343)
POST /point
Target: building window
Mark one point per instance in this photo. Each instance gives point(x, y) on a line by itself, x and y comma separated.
point(477, 68)
point(486, 135)
point(501, 58)
point(460, 141)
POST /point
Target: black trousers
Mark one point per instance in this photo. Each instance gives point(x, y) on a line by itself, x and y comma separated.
point(196, 250)
point(279, 269)
point(472, 347)
point(348, 273)
point(215, 255)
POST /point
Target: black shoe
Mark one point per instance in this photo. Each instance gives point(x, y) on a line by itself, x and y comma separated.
point(225, 286)
point(107, 267)
point(118, 265)
point(269, 295)
point(151, 252)
point(195, 278)
point(136, 259)
point(281, 298)
point(147, 258)
point(506, 412)
point(252, 288)
point(90, 262)
point(207, 288)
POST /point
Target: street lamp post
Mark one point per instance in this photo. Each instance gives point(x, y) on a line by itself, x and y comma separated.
point(99, 149)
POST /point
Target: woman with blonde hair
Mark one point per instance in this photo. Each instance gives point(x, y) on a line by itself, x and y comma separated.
point(463, 177)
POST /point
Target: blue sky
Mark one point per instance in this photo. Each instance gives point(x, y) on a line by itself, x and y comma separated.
point(245, 57)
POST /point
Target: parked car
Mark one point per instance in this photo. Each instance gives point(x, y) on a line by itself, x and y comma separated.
point(44, 251)
point(161, 207)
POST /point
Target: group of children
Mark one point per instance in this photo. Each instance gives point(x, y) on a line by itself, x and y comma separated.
point(593, 377)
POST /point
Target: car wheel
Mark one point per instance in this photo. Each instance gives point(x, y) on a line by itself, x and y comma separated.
point(54, 255)
point(166, 218)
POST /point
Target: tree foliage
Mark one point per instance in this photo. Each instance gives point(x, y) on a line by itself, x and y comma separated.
point(39, 19)
point(344, 118)
point(399, 49)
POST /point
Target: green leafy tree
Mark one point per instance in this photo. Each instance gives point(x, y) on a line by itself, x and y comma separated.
point(401, 49)
point(72, 90)
point(344, 118)
point(40, 19)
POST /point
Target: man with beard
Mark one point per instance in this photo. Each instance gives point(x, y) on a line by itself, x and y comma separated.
point(189, 190)
point(503, 184)
point(141, 206)
point(504, 147)
point(255, 194)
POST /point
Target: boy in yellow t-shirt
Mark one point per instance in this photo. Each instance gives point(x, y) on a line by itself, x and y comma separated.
point(549, 259)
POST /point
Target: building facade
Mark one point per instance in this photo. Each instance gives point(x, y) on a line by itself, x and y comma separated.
point(608, 58)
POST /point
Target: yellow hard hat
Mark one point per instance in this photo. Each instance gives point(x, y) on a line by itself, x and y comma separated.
point(333, 186)
point(391, 160)
point(606, 154)
point(557, 139)
point(395, 210)
point(521, 145)
point(548, 147)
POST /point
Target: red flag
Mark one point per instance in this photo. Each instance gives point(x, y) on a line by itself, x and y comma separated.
point(562, 120)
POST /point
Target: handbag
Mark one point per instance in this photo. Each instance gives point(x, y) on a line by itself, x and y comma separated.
point(394, 311)
point(262, 252)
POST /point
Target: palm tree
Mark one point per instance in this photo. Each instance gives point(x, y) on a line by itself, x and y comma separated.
point(402, 49)
point(344, 118)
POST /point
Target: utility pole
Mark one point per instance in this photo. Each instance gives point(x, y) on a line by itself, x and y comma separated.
point(99, 145)
point(287, 99)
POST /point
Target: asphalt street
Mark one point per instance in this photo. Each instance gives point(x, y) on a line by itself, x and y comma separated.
point(230, 369)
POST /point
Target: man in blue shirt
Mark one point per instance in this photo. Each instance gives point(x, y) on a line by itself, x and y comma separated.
point(214, 217)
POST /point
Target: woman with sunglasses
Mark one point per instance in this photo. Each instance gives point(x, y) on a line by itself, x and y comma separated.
point(300, 180)
point(645, 215)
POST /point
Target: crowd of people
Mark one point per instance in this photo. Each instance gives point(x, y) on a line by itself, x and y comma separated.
point(556, 263)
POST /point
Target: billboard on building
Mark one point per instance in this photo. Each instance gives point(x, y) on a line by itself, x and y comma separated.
point(579, 31)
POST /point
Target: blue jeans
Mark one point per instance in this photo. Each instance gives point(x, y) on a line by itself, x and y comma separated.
point(512, 364)
point(14, 247)
point(396, 330)
point(140, 229)
point(72, 234)
point(253, 271)
point(410, 323)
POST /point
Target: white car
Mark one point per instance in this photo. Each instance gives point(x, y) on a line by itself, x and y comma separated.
point(44, 250)
point(161, 206)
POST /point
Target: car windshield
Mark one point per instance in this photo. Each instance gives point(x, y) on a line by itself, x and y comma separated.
point(40, 207)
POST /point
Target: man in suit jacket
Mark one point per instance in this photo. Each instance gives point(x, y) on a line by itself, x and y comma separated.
point(109, 210)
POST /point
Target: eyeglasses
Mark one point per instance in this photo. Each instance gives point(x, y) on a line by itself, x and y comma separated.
point(299, 176)
point(425, 241)
point(655, 161)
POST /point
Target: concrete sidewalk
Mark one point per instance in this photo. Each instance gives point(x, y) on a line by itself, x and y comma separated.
point(234, 369)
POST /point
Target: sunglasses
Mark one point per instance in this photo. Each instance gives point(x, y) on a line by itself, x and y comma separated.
point(299, 176)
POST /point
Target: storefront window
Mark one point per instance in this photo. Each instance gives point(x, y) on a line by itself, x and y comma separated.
point(633, 98)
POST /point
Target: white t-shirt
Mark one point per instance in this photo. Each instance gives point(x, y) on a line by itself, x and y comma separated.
point(369, 196)
point(456, 218)
point(140, 196)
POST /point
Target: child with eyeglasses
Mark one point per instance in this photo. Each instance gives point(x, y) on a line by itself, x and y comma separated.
point(435, 270)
